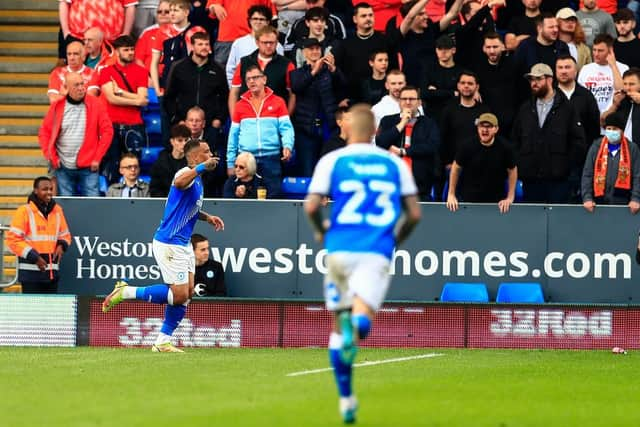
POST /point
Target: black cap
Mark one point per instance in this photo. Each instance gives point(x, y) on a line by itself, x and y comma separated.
point(316, 12)
point(124, 41)
point(445, 42)
point(310, 41)
point(615, 119)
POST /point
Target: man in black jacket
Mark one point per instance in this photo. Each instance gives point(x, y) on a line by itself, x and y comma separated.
point(549, 140)
point(413, 137)
point(314, 85)
point(586, 107)
point(197, 80)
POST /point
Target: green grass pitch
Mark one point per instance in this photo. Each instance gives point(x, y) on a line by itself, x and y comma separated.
point(249, 387)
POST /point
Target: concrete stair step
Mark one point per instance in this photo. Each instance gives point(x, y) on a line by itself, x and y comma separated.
point(12, 202)
point(25, 79)
point(20, 126)
point(22, 171)
point(19, 141)
point(29, 5)
point(34, 33)
point(23, 110)
point(16, 187)
point(23, 95)
point(37, 17)
point(28, 48)
point(21, 157)
point(27, 64)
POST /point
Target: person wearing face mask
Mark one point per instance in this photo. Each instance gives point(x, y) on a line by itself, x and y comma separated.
point(611, 174)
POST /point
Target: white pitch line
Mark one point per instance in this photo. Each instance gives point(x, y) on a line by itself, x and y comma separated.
point(370, 363)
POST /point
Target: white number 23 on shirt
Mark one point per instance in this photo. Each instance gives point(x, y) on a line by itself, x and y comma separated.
point(349, 213)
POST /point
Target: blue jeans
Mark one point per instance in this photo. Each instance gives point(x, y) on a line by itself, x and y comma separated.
point(270, 170)
point(77, 182)
point(126, 139)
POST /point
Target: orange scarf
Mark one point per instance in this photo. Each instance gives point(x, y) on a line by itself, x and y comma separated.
point(623, 181)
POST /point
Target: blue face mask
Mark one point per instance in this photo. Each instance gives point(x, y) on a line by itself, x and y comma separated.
point(613, 136)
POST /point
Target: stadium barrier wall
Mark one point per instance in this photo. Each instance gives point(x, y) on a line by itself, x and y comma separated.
point(268, 250)
point(211, 323)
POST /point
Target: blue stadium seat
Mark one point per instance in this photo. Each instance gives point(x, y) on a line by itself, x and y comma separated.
point(520, 292)
point(295, 187)
point(145, 178)
point(152, 122)
point(149, 156)
point(464, 292)
point(103, 185)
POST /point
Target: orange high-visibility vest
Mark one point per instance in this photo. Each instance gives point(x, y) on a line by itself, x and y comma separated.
point(31, 231)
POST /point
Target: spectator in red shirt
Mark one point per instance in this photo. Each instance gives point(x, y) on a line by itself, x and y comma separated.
point(149, 35)
point(124, 87)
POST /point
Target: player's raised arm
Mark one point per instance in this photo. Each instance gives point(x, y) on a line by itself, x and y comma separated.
point(199, 159)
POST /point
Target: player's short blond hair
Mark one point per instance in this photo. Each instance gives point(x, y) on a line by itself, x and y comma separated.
point(362, 123)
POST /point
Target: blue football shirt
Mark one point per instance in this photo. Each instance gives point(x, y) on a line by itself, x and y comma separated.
point(180, 212)
point(366, 185)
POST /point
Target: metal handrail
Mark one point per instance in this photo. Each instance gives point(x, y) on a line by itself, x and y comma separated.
point(4, 228)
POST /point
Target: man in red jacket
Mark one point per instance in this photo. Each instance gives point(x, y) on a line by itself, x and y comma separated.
point(75, 135)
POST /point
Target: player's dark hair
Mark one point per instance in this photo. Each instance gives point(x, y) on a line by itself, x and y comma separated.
point(191, 145)
point(39, 179)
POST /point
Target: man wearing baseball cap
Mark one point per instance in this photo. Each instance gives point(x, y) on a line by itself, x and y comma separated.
point(569, 33)
point(548, 138)
point(487, 160)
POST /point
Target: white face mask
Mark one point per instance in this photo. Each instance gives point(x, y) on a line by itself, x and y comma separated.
point(613, 136)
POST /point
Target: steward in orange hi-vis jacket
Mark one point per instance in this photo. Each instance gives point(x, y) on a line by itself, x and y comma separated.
point(38, 236)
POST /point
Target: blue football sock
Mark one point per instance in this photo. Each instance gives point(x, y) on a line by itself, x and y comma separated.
point(173, 315)
point(362, 324)
point(156, 294)
point(341, 370)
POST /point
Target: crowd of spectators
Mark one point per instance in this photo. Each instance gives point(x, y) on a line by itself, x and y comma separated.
point(268, 84)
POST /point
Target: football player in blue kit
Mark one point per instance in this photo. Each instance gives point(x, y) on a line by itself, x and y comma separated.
point(172, 248)
point(375, 207)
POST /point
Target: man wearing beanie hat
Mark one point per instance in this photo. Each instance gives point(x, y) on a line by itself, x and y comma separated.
point(124, 87)
point(611, 174)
